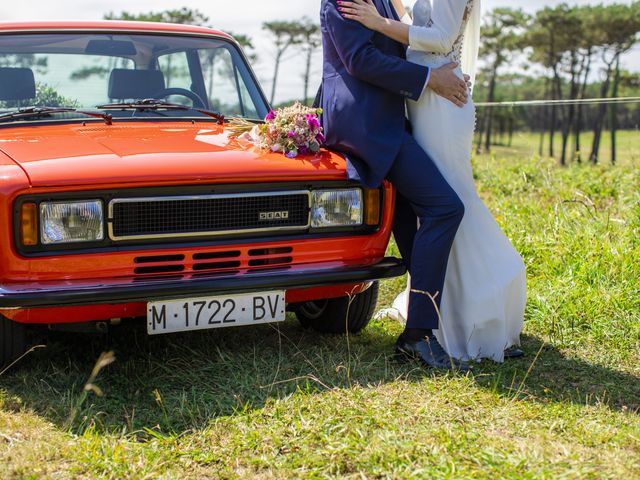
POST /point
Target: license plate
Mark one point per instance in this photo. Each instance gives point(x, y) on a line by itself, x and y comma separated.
point(215, 312)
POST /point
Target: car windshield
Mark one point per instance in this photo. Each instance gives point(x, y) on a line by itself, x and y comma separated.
point(85, 71)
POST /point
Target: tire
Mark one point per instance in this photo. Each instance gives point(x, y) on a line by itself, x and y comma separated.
point(328, 316)
point(13, 341)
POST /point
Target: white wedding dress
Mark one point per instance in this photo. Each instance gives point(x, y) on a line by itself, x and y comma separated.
point(484, 295)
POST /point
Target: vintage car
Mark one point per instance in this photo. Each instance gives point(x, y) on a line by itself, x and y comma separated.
point(123, 196)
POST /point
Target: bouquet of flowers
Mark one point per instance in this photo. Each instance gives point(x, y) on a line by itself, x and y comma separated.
point(293, 130)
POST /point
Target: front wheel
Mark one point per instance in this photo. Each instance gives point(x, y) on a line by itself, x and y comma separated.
point(13, 342)
point(339, 315)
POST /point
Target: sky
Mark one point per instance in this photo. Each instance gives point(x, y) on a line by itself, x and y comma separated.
point(242, 16)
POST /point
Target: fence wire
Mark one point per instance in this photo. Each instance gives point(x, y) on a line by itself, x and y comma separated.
point(546, 103)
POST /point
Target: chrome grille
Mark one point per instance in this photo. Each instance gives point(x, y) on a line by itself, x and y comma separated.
point(205, 215)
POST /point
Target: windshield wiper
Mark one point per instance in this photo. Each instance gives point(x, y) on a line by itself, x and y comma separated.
point(154, 104)
point(40, 111)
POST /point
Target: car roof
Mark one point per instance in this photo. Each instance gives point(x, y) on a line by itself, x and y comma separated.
point(110, 25)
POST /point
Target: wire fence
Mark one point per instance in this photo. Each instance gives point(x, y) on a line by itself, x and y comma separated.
point(583, 129)
point(545, 103)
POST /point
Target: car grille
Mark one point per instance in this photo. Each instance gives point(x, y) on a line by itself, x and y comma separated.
point(207, 215)
point(229, 262)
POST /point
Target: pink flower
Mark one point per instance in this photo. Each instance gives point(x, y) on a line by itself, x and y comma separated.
point(270, 116)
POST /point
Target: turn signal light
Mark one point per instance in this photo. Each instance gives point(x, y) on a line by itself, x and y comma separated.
point(372, 206)
point(29, 224)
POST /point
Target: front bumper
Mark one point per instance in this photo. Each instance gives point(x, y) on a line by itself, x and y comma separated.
point(118, 292)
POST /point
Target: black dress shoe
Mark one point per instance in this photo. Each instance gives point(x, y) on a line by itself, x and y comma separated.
point(513, 352)
point(430, 353)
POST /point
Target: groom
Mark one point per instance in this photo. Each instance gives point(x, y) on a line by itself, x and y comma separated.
point(366, 81)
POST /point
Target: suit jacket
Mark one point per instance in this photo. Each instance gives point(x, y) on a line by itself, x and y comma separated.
point(365, 82)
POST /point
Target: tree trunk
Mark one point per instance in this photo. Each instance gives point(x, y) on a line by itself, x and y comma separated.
point(556, 90)
point(275, 76)
point(552, 120)
point(307, 75)
point(573, 94)
point(169, 72)
point(487, 129)
point(481, 123)
point(614, 112)
point(583, 90)
point(511, 122)
point(600, 116)
point(558, 96)
point(545, 117)
point(212, 66)
point(552, 123)
point(490, 99)
point(552, 131)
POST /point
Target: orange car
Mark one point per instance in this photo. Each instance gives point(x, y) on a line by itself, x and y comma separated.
point(123, 196)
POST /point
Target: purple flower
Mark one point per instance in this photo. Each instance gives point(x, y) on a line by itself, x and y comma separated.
point(313, 122)
point(291, 134)
point(303, 150)
point(320, 138)
point(270, 116)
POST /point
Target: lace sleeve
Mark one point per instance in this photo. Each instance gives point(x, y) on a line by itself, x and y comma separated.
point(440, 36)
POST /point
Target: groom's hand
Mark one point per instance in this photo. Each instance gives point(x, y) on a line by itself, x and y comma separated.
point(447, 84)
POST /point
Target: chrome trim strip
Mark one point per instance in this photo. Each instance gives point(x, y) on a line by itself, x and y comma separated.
point(111, 29)
point(115, 238)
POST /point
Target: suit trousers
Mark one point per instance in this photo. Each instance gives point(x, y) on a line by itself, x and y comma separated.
point(428, 214)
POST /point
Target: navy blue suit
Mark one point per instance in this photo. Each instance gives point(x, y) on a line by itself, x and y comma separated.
point(366, 81)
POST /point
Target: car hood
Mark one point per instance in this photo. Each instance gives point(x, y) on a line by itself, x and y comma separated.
point(157, 153)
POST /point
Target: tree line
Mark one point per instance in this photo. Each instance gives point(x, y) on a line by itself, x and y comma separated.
point(567, 53)
point(562, 53)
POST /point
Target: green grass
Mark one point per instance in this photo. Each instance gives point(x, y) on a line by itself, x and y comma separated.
point(279, 401)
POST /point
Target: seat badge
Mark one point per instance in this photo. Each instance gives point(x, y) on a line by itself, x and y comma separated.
point(265, 216)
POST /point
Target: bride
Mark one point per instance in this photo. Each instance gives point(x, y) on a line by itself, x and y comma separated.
point(484, 295)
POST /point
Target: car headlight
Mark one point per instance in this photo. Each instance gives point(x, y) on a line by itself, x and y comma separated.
point(336, 208)
point(69, 222)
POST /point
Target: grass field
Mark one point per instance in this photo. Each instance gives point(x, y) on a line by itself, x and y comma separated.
point(274, 402)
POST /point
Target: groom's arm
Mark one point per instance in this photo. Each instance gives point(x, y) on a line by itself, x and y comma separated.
point(366, 62)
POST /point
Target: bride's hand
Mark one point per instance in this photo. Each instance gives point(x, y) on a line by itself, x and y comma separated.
point(363, 11)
